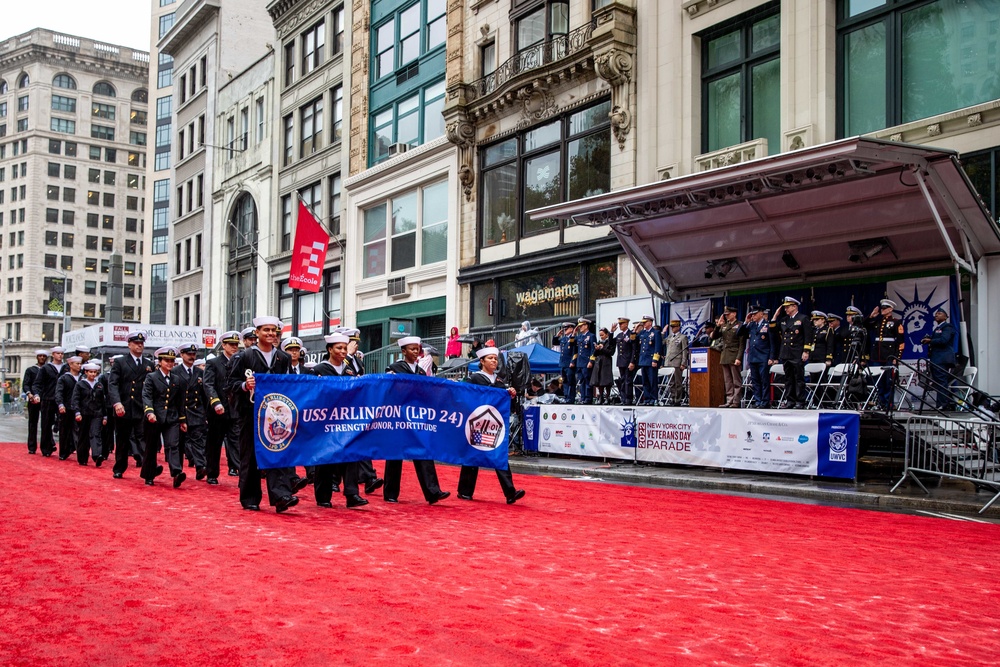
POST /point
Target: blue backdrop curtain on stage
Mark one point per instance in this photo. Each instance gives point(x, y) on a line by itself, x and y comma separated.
point(304, 420)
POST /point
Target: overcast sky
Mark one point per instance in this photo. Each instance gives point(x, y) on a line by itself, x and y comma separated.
point(121, 22)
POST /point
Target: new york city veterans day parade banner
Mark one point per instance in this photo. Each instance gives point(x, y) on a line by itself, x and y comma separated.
point(303, 420)
point(801, 442)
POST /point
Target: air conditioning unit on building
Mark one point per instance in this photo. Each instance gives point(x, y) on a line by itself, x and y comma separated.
point(397, 288)
point(397, 149)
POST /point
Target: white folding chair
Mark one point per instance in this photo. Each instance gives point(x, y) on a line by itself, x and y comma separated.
point(777, 384)
point(965, 391)
point(663, 377)
point(874, 375)
point(908, 387)
point(811, 385)
point(829, 386)
point(746, 390)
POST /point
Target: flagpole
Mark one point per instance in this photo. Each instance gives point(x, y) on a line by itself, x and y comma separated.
point(315, 217)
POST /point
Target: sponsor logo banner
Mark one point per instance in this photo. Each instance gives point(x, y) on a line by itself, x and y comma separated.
point(304, 420)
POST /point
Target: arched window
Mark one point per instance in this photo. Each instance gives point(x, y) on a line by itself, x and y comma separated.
point(64, 81)
point(23, 81)
point(104, 88)
point(3, 86)
point(242, 262)
point(140, 95)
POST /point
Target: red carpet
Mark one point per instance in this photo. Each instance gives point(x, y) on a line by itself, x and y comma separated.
point(97, 571)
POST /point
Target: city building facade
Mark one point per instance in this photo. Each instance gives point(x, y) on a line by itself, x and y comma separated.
point(73, 114)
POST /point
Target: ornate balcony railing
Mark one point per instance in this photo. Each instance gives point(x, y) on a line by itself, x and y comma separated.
point(555, 49)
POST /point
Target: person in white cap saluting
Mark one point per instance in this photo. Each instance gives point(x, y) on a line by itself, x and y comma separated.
point(44, 391)
point(336, 365)
point(223, 427)
point(125, 381)
point(796, 344)
point(426, 472)
point(260, 359)
point(486, 376)
point(34, 409)
point(87, 406)
point(888, 345)
point(163, 407)
point(64, 393)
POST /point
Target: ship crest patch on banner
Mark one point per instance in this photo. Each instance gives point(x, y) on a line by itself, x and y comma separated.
point(277, 421)
point(484, 428)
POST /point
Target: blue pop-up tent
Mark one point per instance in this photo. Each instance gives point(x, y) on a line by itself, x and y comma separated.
point(541, 358)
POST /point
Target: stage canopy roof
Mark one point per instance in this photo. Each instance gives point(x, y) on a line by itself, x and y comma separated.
point(851, 207)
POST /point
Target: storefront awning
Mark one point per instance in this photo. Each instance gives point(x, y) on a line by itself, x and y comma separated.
point(851, 207)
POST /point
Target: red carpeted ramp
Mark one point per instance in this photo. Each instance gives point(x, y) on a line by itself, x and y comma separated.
point(97, 571)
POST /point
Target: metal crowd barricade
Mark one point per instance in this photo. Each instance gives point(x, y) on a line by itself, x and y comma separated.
point(964, 449)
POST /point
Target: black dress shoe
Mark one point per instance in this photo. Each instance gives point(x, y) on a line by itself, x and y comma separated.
point(149, 482)
point(336, 488)
point(326, 505)
point(213, 481)
point(252, 508)
point(181, 476)
point(117, 475)
point(299, 485)
point(98, 461)
point(390, 500)
point(62, 458)
point(356, 501)
point(517, 496)
point(234, 473)
point(440, 496)
point(159, 471)
point(199, 474)
point(374, 485)
point(464, 497)
point(285, 502)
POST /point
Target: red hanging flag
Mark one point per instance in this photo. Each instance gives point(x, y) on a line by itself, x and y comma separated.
point(311, 241)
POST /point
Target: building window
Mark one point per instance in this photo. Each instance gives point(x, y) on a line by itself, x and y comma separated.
point(54, 169)
point(311, 120)
point(313, 42)
point(137, 117)
point(337, 125)
point(91, 243)
point(543, 22)
point(102, 132)
point(906, 60)
point(286, 223)
point(409, 230)
point(104, 111)
point(242, 267)
point(51, 215)
point(104, 88)
point(311, 314)
point(137, 138)
point(259, 110)
point(64, 104)
point(62, 125)
point(338, 31)
point(22, 126)
point(68, 217)
point(412, 121)
point(335, 185)
point(564, 159)
point(488, 58)
point(983, 170)
point(69, 171)
point(166, 22)
point(22, 103)
point(741, 71)
point(64, 81)
point(408, 34)
point(289, 139)
point(289, 63)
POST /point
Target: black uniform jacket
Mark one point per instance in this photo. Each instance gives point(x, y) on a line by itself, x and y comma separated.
point(126, 382)
point(163, 399)
point(27, 384)
point(627, 348)
point(64, 389)
point(88, 401)
point(326, 368)
point(45, 381)
point(216, 379)
point(251, 359)
point(195, 402)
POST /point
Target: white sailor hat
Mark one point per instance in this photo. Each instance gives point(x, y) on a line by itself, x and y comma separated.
point(167, 352)
point(57, 348)
point(818, 315)
point(91, 366)
point(291, 341)
point(310, 365)
point(791, 301)
point(266, 320)
point(409, 340)
point(230, 337)
point(335, 338)
point(249, 332)
point(351, 333)
point(188, 347)
point(199, 362)
point(853, 310)
point(41, 353)
point(82, 348)
point(482, 352)
point(75, 360)
point(137, 336)
point(887, 303)
point(648, 318)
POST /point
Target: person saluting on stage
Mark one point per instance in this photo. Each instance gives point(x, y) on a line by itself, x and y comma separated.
point(486, 376)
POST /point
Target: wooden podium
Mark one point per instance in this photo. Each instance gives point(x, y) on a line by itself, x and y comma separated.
point(706, 387)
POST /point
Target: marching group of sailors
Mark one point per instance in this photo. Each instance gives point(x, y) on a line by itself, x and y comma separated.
point(189, 408)
point(760, 341)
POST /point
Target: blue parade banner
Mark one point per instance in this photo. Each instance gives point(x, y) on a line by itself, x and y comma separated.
point(305, 420)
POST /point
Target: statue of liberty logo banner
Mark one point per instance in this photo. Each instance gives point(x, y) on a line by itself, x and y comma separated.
point(692, 316)
point(916, 300)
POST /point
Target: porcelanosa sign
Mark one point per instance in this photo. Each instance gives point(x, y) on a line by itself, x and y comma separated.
point(115, 334)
